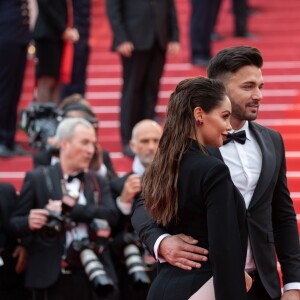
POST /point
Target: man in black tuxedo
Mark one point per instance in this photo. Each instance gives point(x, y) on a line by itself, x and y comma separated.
point(258, 169)
point(143, 31)
point(68, 189)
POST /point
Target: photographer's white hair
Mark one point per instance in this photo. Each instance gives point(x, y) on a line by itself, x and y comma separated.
point(66, 127)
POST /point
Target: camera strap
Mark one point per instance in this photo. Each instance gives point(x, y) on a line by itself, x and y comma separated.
point(96, 188)
point(49, 182)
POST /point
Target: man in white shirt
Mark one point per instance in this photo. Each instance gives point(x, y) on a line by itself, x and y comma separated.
point(258, 169)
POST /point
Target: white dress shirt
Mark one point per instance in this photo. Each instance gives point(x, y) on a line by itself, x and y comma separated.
point(244, 162)
point(81, 229)
point(137, 168)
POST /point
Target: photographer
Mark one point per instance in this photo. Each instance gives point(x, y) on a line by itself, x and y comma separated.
point(133, 285)
point(51, 191)
point(13, 256)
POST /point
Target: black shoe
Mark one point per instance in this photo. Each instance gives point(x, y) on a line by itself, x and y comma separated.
point(214, 36)
point(20, 151)
point(200, 62)
point(127, 151)
point(245, 34)
point(5, 152)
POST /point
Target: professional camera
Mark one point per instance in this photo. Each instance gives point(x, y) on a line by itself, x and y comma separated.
point(82, 253)
point(40, 121)
point(128, 244)
point(57, 224)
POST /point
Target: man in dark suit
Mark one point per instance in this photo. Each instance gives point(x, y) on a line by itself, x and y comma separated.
point(54, 269)
point(258, 169)
point(14, 38)
point(12, 255)
point(125, 190)
point(143, 31)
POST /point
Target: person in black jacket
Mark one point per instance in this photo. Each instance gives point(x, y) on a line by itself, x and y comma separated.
point(143, 31)
point(13, 256)
point(188, 191)
point(126, 190)
point(55, 269)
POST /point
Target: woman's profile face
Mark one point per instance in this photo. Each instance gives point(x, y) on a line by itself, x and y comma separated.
point(216, 124)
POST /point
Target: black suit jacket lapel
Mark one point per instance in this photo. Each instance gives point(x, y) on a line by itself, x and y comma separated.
point(215, 152)
point(268, 165)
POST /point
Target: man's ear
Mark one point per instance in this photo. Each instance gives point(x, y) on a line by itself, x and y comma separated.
point(132, 146)
point(63, 144)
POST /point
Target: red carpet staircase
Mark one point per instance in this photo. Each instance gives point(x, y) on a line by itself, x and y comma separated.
point(276, 26)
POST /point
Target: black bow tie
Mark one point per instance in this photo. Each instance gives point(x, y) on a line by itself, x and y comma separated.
point(239, 137)
point(79, 176)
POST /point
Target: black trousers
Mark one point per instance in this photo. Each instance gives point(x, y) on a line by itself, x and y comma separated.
point(12, 67)
point(141, 76)
point(257, 291)
point(203, 14)
point(240, 11)
point(80, 63)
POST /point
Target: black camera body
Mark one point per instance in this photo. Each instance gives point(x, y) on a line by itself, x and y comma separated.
point(57, 224)
point(40, 121)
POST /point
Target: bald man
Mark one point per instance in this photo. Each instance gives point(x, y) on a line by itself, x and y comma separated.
point(144, 142)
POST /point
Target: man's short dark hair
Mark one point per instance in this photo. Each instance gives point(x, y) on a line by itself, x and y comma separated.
point(230, 60)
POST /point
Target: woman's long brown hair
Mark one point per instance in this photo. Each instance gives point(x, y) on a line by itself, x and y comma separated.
point(160, 181)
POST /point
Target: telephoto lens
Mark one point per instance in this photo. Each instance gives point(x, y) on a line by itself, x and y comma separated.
point(96, 273)
point(135, 266)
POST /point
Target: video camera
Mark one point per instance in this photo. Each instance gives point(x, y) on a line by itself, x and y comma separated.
point(40, 121)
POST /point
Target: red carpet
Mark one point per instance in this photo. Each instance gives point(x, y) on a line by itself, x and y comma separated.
point(276, 26)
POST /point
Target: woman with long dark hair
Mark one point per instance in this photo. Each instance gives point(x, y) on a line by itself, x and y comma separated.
point(188, 191)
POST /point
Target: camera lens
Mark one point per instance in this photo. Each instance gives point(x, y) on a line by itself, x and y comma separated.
point(94, 269)
point(135, 266)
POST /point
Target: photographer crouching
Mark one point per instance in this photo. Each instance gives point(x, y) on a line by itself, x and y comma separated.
point(68, 257)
